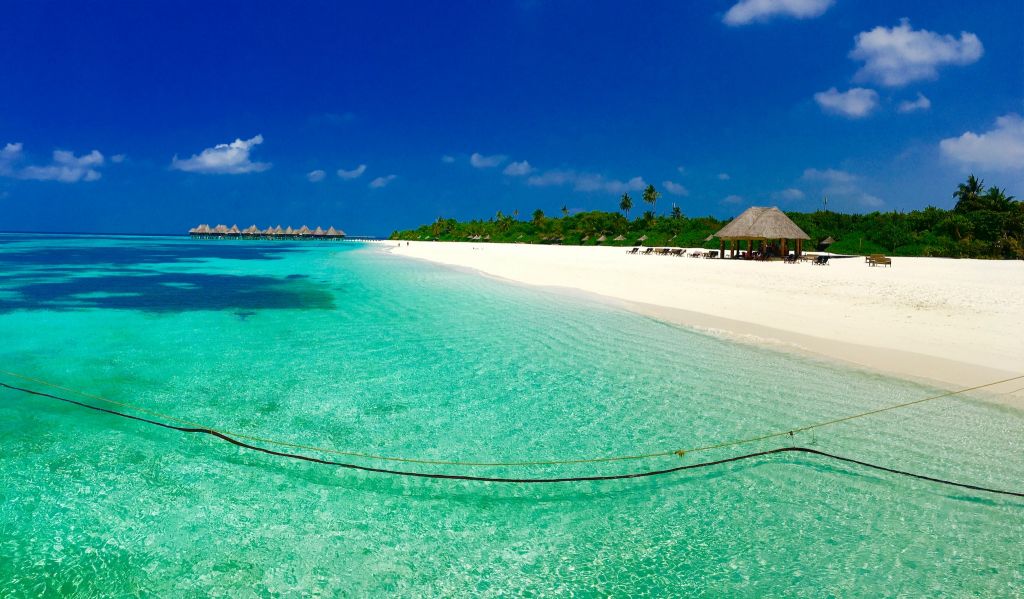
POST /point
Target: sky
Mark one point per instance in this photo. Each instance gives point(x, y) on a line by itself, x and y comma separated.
point(153, 117)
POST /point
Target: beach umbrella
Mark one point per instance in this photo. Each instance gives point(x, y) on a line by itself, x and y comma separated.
point(620, 238)
point(644, 238)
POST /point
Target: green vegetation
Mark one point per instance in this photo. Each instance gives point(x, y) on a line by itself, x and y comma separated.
point(986, 223)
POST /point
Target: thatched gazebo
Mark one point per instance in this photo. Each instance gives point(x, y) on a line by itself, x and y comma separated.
point(763, 225)
point(620, 238)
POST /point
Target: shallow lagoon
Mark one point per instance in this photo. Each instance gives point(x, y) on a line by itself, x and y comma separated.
point(340, 346)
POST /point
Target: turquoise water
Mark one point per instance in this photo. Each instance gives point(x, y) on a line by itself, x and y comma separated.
point(342, 346)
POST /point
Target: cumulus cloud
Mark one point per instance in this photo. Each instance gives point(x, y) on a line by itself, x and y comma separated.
point(724, 176)
point(352, 174)
point(223, 159)
point(481, 161)
point(898, 55)
point(1000, 148)
point(733, 199)
point(842, 185)
point(749, 11)
point(118, 158)
point(586, 182)
point(829, 175)
point(518, 169)
point(65, 167)
point(316, 176)
point(921, 103)
point(675, 188)
point(855, 103)
point(382, 181)
point(447, 159)
point(790, 194)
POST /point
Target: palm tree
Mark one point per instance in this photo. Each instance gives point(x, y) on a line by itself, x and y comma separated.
point(997, 200)
point(651, 196)
point(538, 217)
point(626, 204)
point(565, 211)
point(968, 195)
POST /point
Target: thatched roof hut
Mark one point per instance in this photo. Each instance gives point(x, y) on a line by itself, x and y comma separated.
point(620, 238)
point(234, 230)
point(758, 222)
point(643, 238)
point(251, 230)
point(268, 231)
point(332, 232)
point(220, 230)
point(602, 239)
point(304, 231)
point(289, 231)
point(763, 224)
point(278, 230)
point(319, 232)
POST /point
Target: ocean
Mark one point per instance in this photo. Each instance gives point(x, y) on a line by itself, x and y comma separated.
point(345, 348)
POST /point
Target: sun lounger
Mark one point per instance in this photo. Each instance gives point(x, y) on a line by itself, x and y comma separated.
point(790, 259)
point(821, 260)
point(633, 251)
point(676, 252)
point(647, 251)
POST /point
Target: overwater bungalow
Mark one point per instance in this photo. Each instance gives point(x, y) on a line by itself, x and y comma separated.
point(204, 231)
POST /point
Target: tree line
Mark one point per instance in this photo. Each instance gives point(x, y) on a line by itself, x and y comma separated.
point(984, 223)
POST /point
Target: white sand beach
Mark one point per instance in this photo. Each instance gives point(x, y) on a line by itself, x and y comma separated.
point(956, 322)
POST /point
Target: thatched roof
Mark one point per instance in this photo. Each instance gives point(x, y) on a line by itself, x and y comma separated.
point(331, 232)
point(204, 228)
point(319, 232)
point(234, 230)
point(222, 229)
point(828, 241)
point(251, 230)
point(268, 231)
point(304, 230)
point(619, 238)
point(289, 231)
point(758, 222)
point(602, 238)
point(278, 230)
point(643, 238)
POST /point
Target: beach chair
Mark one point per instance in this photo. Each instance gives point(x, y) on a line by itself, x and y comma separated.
point(676, 252)
point(647, 251)
point(821, 260)
point(790, 259)
point(633, 251)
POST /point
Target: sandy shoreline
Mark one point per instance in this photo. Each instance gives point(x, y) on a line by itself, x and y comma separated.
point(957, 322)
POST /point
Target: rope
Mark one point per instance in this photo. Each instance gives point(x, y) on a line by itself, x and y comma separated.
point(643, 456)
point(498, 479)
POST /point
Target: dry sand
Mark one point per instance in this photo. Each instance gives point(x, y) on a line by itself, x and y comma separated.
point(957, 322)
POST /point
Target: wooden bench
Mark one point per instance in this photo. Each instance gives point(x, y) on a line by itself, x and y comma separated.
point(876, 259)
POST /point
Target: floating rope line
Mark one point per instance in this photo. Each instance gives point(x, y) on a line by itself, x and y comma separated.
point(621, 458)
point(498, 479)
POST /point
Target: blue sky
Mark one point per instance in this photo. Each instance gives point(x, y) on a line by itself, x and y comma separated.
point(153, 117)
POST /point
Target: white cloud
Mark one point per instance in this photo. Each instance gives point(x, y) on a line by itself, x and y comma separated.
point(586, 182)
point(118, 158)
point(1000, 148)
point(733, 199)
point(681, 170)
point(855, 103)
point(898, 55)
point(66, 167)
point(518, 169)
point(748, 11)
point(829, 175)
point(352, 174)
point(382, 181)
point(447, 159)
point(223, 159)
point(675, 189)
point(724, 176)
point(316, 176)
point(790, 194)
point(921, 103)
point(481, 161)
point(843, 186)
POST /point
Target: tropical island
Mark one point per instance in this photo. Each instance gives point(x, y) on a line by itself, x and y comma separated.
point(984, 223)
